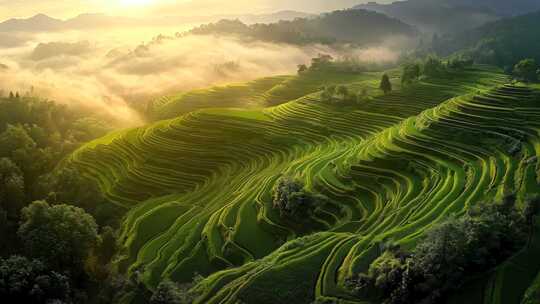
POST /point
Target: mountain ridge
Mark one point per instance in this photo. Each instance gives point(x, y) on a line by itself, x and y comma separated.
point(44, 23)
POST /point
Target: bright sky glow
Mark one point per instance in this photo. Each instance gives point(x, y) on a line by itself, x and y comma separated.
point(70, 8)
point(136, 2)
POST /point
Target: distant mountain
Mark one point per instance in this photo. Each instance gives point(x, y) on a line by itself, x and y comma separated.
point(345, 26)
point(44, 23)
point(35, 24)
point(452, 15)
point(267, 18)
point(503, 43)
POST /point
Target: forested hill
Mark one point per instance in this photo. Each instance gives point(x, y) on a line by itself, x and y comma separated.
point(346, 26)
point(452, 15)
point(502, 43)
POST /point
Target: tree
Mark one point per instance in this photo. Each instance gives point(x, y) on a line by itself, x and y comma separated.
point(302, 68)
point(410, 73)
point(386, 85)
point(321, 61)
point(60, 235)
point(12, 195)
point(15, 138)
point(342, 91)
point(107, 245)
point(526, 70)
point(531, 210)
point(167, 292)
point(69, 185)
point(460, 63)
point(433, 66)
point(29, 281)
point(293, 200)
point(328, 94)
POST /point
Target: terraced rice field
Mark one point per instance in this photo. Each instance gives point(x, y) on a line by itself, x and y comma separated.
point(197, 188)
point(256, 94)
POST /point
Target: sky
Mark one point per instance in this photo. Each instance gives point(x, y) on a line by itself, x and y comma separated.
point(71, 8)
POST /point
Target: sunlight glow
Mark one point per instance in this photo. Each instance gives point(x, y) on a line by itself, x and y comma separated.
point(136, 2)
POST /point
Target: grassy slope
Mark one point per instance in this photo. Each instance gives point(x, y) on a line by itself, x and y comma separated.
point(198, 186)
point(256, 94)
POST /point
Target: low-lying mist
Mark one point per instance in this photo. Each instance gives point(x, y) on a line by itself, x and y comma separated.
point(114, 74)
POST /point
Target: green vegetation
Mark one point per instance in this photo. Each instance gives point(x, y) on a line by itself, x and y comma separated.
point(60, 235)
point(294, 201)
point(526, 70)
point(348, 182)
point(503, 43)
point(29, 281)
point(51, 252)
point(386, 85)
point(323, 71)
point(392, 168)
point(450, 253)
point(346, 26)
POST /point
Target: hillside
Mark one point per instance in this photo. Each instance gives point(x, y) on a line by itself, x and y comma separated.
point(346, 26)
point(198, 187)
point(502, 43)
point(253, 95)
point(453, 16)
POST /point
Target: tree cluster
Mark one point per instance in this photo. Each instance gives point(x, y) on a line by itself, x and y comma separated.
point(328, 64)
point(433, 66)
point(410, 73)
point(57, 243)
point(450, 253)
point(294, 201)
point(35, 135)
point(527, 70)
point(51, 251)
point(341, 95)
point(24, 280)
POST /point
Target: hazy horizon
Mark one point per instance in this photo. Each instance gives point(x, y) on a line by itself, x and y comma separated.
point(102, 65)
point(160, 8)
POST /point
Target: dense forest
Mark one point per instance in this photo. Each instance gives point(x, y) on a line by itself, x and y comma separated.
point(52, 219)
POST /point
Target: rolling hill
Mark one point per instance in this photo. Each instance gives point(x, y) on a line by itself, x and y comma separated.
point(197, 187)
